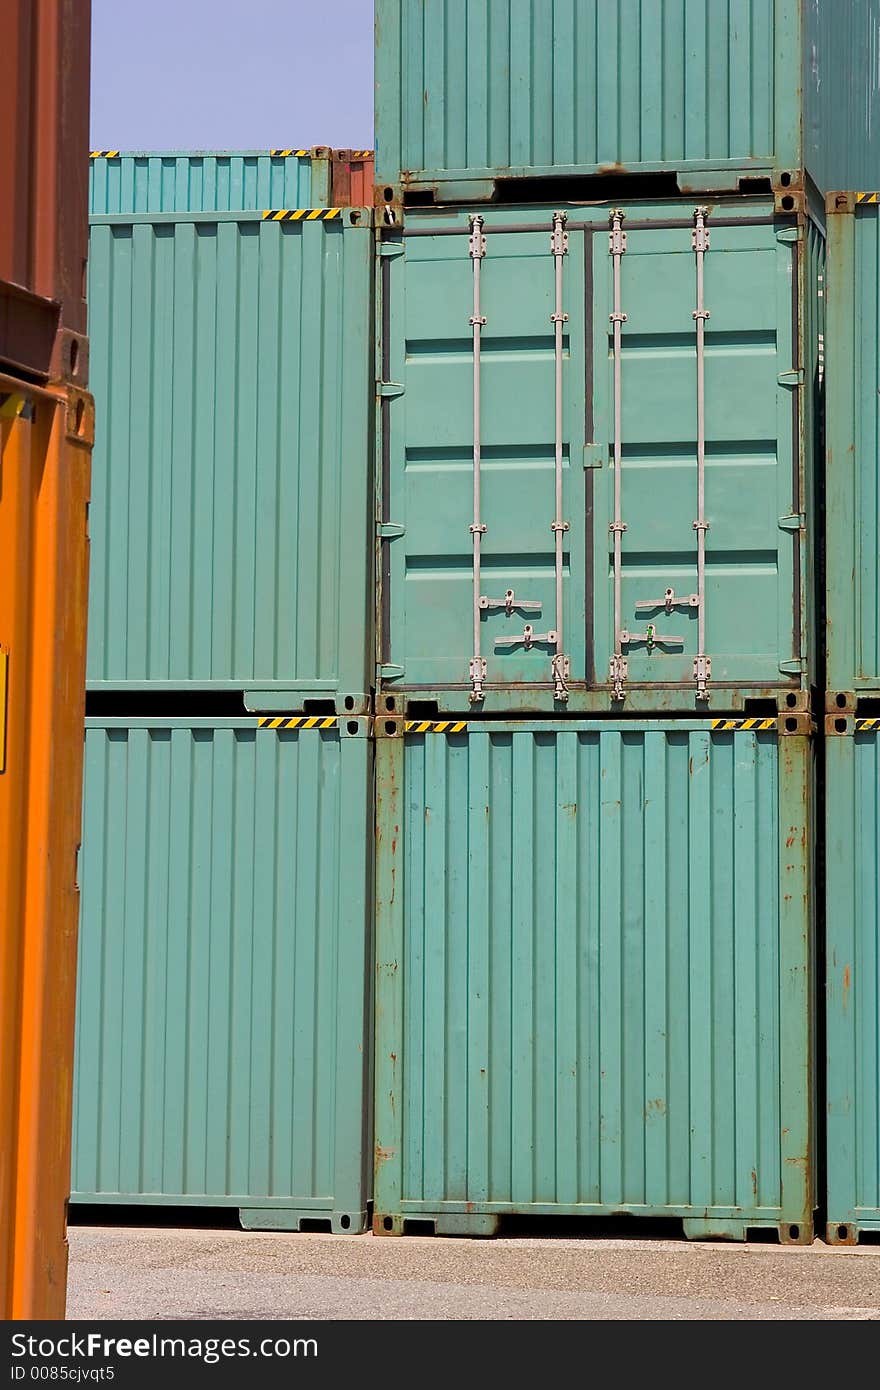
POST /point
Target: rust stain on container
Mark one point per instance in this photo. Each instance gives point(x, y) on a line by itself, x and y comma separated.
point(45, 444)
point(351, 178)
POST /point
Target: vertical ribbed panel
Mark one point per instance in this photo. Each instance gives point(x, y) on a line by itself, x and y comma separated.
point(842, 92)
point(202, 182)
point(591, 973)
point(862, 397)
point(581, 84)
point(853, 954)
point(230, 486)
point(221, 1037)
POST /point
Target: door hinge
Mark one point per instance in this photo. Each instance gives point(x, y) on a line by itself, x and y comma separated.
point(792, 378)
point(795, 522)
point(391, 248)
point(792, 668)
point(390, 530)
point(389, 672)
point(389, 389)
point(790, 234)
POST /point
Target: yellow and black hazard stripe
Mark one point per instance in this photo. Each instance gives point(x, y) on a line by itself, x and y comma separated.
point(286, 154)
point(436, 726)
point(361, 154)
point(756, 725)
point(298, 721)
point(867, 198)
point(864, 726)
point(301, 214)
point(12, 405)
point(103, 154)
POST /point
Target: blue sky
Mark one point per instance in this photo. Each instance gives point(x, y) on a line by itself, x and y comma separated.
point(231, 74)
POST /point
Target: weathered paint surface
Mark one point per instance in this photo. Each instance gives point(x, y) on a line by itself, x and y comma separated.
point(852, 762)
point(852, 357)
point(45, 441)
point(222, 1052)
point(230, 529)
point(468, 92)
point(594, 961)
point(762, 290)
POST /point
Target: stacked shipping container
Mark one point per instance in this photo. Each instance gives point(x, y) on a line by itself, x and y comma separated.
point(222, 1052)
point(600, 410)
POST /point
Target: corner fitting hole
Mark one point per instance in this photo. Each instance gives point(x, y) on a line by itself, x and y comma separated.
point(74, 355)
point(794, 1232)
point(349, 702)
point(842, 1233)
point(785, 180)
point(354, 218)
point(840, 725)
point(788, 203)
point(345, 1222)
point(388, 194)
point(390, 726)
point(791, 701)
point(79, 415)
point(388, 1223)
point(389, 703)
point(791, 725)
point(352, 726)
point(840, 700)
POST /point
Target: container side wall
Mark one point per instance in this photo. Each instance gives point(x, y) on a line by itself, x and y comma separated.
point(593, 964)
point(466, 91)
point(853, 445)
point(853, 984)
point(45, 441)
point(222, 1055)
point(841, 84)
point(205, 182)
point(233, 391)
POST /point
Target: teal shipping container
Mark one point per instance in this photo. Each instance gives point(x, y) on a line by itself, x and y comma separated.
point(596, 454)
point(852, 772)
point(231, 505)
point(471, 94)
point(122, 181)
point(852, 364)
point(222, 1054)
point(594, 974)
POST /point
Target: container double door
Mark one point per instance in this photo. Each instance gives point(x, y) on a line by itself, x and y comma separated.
point(591, 455)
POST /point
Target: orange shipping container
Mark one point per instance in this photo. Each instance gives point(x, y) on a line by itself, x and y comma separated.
point(351, 178)
point(45, 447)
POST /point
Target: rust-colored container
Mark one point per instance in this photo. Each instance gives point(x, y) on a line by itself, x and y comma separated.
point(351, 178)
point(45, 445)
point(44, 130)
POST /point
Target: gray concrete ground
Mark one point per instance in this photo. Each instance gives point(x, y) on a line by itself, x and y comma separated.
point(128, 1272)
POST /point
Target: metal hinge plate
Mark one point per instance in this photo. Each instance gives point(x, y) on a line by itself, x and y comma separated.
point(792, 668)
point(390, 530)
point(595, 455)
point(389, 672)
point(792, 378)
point(391, 248)
point(795, 522)
point(389, 389)
point(790, 234)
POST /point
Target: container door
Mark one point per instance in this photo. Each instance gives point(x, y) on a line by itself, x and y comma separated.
point(484, 460)
point(718, 476)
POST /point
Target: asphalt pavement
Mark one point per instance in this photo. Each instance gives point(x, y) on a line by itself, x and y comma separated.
point(160, 1273)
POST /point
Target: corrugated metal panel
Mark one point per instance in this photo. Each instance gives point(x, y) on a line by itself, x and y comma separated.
point(45, 440)
point(206, 181)
point(230, 513)
point(852, 354)
point(593, 962)
point(468, 92)
point(351, 178)
point(852, 764)
point(758, 446)
point(44, 130)
point(842, 92)
point(222, 1054)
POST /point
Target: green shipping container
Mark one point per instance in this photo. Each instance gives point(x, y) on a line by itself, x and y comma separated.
point(121, 181)
point(231, 489)
point(563, 526)
point(222, 1054)
point(852, 770)
point(594, 974)
point(852, 358)
point(473, 92)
